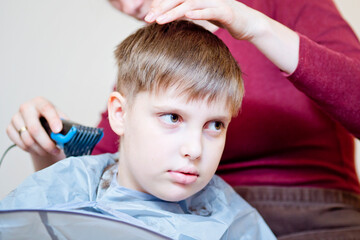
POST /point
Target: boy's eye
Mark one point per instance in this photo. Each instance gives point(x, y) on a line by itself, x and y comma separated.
point(216, 126)
point(174, 118)
point(170, 118)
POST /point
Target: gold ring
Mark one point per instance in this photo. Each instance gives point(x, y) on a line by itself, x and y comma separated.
point(21, 130)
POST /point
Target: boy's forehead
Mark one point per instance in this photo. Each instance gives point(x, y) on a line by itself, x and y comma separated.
point(176, 98)
point(187, 96)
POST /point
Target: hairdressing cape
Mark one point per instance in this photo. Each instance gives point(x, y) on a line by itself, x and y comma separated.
point(66, 201)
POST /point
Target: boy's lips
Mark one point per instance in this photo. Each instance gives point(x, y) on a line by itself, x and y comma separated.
point(184, 176)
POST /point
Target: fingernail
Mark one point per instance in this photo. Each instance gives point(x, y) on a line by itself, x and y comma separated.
point(150, 17)
point(57, 127)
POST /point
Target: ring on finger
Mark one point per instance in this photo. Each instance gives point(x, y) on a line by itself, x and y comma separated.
point(22, 129)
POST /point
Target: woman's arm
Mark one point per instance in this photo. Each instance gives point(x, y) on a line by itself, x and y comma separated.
point(321, 54)
point(329, 61)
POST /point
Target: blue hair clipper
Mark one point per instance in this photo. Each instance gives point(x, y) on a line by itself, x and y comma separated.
point(75, 139)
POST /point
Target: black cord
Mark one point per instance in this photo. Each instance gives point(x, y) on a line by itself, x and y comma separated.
point(2, 157)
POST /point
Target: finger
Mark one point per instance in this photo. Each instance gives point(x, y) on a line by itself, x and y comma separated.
point(221, 18)
point(23, 138)
point(14, 136)
point(36, 138)
point(33, 147)
point(49, 112)
point(41, 149)
point(160, 7)
point(202, 10)
point(173, 14)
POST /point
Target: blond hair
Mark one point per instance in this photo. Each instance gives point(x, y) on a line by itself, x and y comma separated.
point(179, 54)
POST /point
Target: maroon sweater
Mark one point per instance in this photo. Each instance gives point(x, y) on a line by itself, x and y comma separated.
point(293, 130)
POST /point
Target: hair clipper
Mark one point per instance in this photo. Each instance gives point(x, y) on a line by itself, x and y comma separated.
point(74, 139)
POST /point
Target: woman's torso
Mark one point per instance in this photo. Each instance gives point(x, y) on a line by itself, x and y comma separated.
point(281, 137)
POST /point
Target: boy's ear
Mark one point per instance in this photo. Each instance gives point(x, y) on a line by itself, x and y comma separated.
point(116, 112)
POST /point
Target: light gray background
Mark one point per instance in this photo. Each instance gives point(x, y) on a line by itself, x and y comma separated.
point(63, 50)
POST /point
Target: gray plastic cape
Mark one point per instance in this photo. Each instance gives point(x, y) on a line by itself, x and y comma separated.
point(65, 201)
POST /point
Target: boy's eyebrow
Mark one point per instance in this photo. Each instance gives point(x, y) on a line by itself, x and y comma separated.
point(171, 109)
point(222, 118)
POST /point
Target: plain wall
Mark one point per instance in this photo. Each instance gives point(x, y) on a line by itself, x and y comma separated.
point(63, 50)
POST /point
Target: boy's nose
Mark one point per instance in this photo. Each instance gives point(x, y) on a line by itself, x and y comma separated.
point(192, 146)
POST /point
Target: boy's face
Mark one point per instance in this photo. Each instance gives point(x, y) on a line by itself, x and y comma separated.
point(170, 147)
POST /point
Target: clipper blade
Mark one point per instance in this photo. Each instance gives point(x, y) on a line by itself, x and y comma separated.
point(75, 139)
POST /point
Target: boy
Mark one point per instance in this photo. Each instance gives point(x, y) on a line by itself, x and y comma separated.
point(178, 87)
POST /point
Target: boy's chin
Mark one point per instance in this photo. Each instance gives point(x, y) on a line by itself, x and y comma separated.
point(174, 199)
point(176, 195)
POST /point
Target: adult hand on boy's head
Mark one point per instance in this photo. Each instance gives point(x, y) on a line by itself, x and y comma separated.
point(26, 131)
point(240, 20)
point(244, 23)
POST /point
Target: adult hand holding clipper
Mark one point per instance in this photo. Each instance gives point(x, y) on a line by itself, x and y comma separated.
point(26, 131)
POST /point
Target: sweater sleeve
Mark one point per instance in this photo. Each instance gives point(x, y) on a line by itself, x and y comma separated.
point(329, 62)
